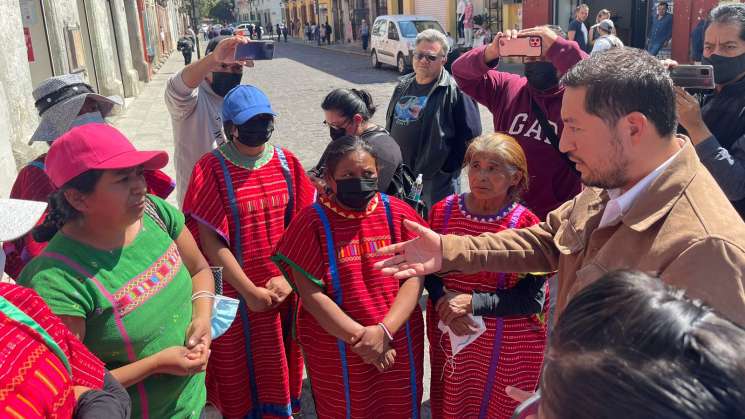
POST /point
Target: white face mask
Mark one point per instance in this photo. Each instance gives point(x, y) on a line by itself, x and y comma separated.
point(88, 118)
point(457, 343)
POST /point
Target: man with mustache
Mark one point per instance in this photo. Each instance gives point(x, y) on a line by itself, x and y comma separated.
point(649, 204)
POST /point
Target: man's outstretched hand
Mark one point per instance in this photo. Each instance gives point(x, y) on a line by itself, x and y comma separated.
point(416, 257)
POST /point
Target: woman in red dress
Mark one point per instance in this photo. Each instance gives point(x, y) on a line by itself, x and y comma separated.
point(361, 332)
point(240, 199)
point(509, 350)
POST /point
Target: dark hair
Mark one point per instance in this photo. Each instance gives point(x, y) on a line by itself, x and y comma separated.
point(629, 346)
point(728, 14)
point(60, 211)
point(624, 80)
point(337, 149)
point(558, 30)
point(664, 3)
point(349, 102)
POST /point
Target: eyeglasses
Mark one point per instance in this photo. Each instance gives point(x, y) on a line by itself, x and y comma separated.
point(529, 408)
point(330, 125)
point(431, 58)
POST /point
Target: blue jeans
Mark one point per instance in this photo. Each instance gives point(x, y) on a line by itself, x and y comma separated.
point(655, 47)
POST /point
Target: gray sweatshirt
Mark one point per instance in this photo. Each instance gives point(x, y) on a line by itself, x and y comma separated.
point(196, 115)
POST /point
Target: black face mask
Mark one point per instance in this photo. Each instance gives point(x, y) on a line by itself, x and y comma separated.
point(222, 82)
point(337, 133)
point(356, 193)
point(541, 75)
point(726, 69)
point(255, 132)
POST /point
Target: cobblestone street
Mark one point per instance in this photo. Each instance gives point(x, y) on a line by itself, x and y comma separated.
point(296, 81)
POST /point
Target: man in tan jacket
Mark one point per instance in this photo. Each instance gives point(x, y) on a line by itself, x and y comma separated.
point(649, 203)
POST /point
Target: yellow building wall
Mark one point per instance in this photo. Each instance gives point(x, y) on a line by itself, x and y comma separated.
point(408, 7)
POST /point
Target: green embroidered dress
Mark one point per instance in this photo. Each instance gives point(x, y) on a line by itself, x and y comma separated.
point(136, 301)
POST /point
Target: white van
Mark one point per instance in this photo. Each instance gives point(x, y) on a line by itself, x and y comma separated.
point(392, 39)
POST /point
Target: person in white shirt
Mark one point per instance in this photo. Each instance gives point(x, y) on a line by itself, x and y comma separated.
point(194, 98)
point(606, 40)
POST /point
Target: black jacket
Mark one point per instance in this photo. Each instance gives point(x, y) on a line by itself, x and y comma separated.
point(452, 121)
point(724, 115)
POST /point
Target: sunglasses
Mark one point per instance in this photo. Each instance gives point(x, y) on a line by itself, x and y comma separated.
point(431, 58)
point(330, 125)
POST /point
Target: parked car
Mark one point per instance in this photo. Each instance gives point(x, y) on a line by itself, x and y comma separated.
point(393, 38)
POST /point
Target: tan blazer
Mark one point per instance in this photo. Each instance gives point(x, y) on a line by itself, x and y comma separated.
point(682, 228)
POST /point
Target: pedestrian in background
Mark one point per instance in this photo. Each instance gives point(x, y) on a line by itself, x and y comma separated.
point(194, 99)
point(122, 273)
point(186, 46)
point(431, 119)
point(348, 112)
point(697, 40)
point(63, 102)
point(308, 33)
point(240, 200)
point(644, 183)
point(577, 31)
point(602, 15)
point(624, 328)
point(662, 29)
point(319, 33)
point(284, 32)
point(716, 125)
point(362, 333)
point(606, 40)
point(365, 34)
point(468, 381)
point(529, 109)
point(329, 31)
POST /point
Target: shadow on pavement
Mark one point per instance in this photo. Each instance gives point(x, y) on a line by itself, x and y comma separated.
point(352, 68)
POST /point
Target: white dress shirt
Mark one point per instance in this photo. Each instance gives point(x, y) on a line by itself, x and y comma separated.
point(620, 203)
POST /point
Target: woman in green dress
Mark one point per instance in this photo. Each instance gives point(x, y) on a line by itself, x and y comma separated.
point(123, 273)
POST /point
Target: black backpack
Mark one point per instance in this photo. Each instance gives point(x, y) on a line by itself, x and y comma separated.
point(402, 187)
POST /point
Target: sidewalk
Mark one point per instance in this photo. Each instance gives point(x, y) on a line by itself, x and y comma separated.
point(510, 65)
point(146, 121)
point(349, 48)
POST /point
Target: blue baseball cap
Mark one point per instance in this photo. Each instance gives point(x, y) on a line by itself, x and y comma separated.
point(243, 103)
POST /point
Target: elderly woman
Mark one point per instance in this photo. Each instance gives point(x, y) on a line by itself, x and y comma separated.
point(474, 358)
point(122, 272)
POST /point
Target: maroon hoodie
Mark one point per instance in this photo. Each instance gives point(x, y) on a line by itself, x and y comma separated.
point(552, 181)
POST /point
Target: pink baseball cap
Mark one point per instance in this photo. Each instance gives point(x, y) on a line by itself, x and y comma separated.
point(96, 146)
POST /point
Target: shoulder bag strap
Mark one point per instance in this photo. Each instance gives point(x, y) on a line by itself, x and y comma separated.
point(288, 179)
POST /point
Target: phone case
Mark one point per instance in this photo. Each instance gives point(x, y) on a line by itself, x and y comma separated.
point(531, 46)
point(255, 50)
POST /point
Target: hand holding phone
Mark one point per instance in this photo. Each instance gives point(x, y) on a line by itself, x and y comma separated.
point(255, 50)
point(529, 46)
point(696, 77)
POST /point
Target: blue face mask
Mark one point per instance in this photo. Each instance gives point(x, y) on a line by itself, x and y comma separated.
point(224, 310)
